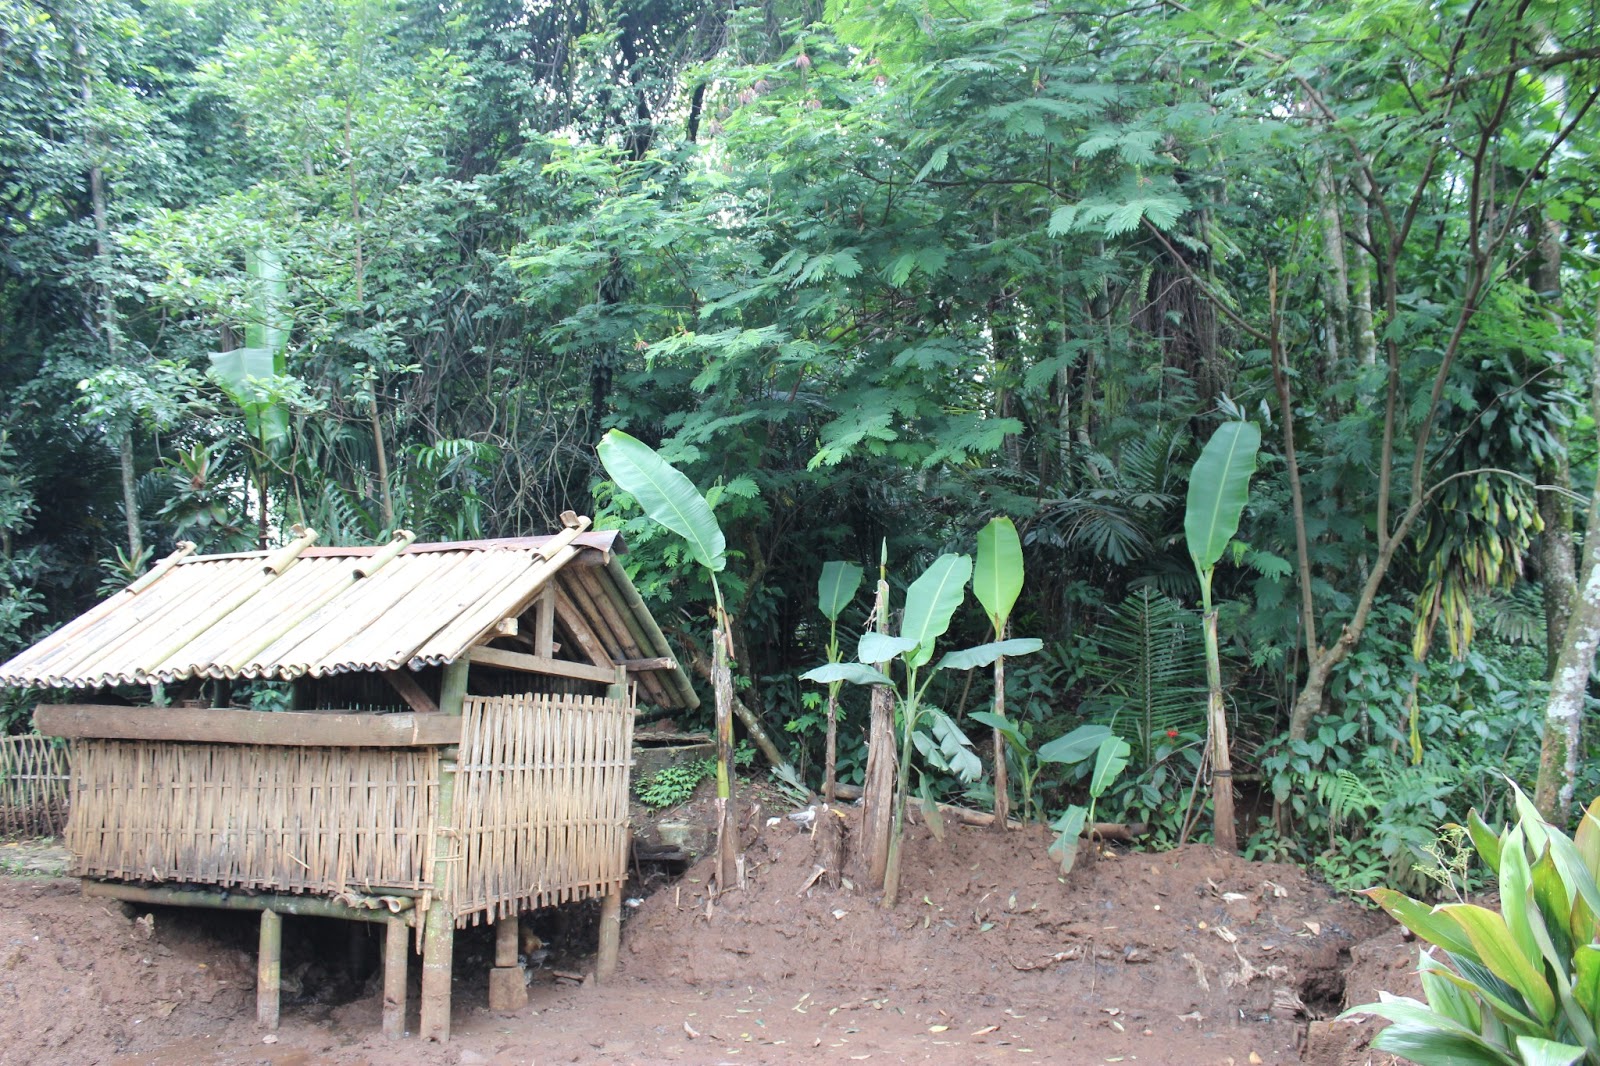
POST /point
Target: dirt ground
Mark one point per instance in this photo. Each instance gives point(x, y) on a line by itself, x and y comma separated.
point(1183, 957)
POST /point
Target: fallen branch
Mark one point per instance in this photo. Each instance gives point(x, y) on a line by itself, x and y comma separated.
point(1123, 831)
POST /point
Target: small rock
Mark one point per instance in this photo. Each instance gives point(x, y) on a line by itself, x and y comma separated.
point(270, 1038)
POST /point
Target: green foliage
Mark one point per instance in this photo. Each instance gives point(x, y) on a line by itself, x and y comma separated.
point(1149, 675)
point(1110, 759)
point(1513, 985)
point(997, 573)
point(672, 785)
point(836, 588)
point(666, 495)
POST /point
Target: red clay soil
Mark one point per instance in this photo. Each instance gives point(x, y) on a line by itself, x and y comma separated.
point(1184, 957)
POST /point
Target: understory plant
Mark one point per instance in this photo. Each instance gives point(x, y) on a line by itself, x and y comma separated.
point(1110, 754)
point(1519, 985)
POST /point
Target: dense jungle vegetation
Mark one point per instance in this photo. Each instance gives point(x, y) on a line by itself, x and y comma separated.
point(870, 273)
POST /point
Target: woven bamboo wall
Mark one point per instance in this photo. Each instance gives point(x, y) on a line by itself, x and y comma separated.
point(33, 786)
point(289, 819)
point(541, 801)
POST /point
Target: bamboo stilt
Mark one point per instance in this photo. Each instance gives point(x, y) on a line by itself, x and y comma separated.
point(396, 955)
point(610, 934)
point(269, 969)
point(438, 949)
point(439, 934)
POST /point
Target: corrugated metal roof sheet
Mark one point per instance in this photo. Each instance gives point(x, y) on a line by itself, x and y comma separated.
point(229, 616)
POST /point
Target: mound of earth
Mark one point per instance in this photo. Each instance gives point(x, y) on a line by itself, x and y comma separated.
point(1184, 957)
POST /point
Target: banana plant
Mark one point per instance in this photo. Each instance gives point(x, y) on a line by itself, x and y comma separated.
point(1219, 486)
point(835, 589)
point(670, 499)
point(997, 581)
point(1110, 759)
point(931, 602)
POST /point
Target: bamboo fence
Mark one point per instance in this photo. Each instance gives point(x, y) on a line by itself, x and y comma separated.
point(541, 802)
point(284, 819)
point(34, 772)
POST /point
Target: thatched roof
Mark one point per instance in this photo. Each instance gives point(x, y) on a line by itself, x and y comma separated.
point(308, 611)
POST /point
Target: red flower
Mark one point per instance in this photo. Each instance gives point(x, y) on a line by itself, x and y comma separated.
point(1172, 734)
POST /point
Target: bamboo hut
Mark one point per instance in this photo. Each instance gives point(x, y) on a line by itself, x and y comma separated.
point(456, 750)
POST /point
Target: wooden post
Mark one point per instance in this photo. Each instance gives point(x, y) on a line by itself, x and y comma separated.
point(396, 949)
point(544, 623)
point(269, 969)
point(610, 934)
point(439, 932)
point(508, 988)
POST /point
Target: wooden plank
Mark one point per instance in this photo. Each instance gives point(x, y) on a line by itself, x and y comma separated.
point(538, 664)
point(404, 683)
point(218, 726)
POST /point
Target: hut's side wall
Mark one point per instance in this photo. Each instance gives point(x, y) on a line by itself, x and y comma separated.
point(286, 819)
point(541, 802)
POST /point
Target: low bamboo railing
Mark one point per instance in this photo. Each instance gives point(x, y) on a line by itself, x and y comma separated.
point(34, 773)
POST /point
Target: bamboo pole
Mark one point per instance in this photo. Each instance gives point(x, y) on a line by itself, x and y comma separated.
point(396, 952)
point(610, 934)
point(224, 900)
point(269, 969)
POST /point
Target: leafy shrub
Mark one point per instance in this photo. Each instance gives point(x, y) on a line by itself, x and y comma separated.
point(1517, 985)
point(671, 785)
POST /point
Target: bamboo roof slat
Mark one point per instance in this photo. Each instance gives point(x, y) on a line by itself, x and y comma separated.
point(231, 616)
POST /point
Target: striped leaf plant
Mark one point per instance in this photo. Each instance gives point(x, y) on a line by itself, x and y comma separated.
point(1514, 986)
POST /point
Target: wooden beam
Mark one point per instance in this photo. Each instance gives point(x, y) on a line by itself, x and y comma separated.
point(223, 900)
point(405, 684)
point(636, 666)
point(588, 642)
point(538, 664)
point(218, 726)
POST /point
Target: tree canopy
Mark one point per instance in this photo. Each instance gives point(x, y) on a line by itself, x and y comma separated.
point(871, 274)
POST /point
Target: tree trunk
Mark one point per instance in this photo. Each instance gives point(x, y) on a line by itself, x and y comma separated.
point(1336, 275)
point(1569, 685)
point(1557, 553)
point(130, 498)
